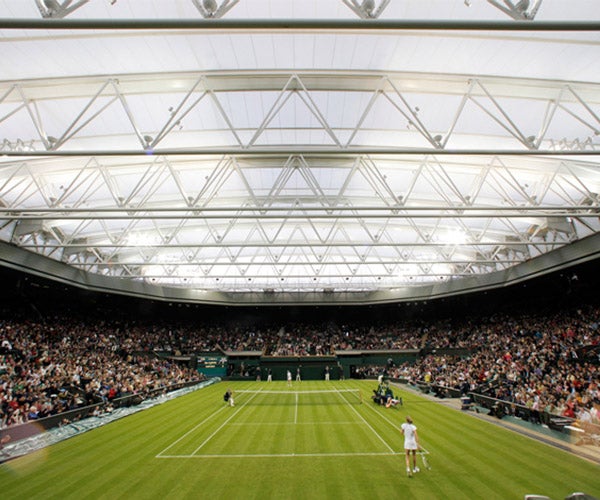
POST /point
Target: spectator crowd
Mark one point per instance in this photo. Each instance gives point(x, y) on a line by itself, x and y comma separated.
point(51, 365)
point(546, 363)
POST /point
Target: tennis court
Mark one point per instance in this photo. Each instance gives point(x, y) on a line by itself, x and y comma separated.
point(313, 440)
point(288, 422)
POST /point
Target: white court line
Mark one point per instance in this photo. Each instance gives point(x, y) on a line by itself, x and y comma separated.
point(223, 425)
point(191, 430)
point(370, 427)
point(314, 422)
point(393, 424)
point(284, 455)
point(289, 455)
point(296, 410)
point(341, 391)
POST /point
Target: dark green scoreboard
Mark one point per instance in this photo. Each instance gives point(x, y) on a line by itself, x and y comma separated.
point(212, 365)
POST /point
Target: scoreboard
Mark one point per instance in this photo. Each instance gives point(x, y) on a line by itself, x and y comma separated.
point(212, 364)
point(211, 361)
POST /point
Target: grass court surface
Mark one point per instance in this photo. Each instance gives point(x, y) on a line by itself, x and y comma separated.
point(298, 442)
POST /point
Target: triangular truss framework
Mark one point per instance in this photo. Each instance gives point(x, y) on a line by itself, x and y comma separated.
point(298, 181)
point(384, 222)
point(299, 109)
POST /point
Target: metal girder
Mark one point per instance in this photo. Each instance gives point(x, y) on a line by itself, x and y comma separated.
point(314, 80)
point(99, 102)
point(295, 25)
point(365, 9)
point(236, 182)
point(168, 225)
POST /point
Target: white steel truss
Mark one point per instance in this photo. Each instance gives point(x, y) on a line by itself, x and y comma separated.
point(296, 178)
point(521, 10)
point(511, 114)
point(297, 222)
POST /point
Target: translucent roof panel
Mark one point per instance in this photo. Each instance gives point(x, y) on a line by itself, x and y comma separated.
point(278, 151)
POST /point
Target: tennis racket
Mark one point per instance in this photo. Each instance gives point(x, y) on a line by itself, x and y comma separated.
point(424, 454)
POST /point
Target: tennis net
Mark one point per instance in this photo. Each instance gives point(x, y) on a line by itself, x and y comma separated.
point(281, 398)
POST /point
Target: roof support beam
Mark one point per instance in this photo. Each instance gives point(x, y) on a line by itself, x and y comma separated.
point(294, 25)
point(317, 151)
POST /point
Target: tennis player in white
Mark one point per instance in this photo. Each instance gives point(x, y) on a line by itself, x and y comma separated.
point(411, 444)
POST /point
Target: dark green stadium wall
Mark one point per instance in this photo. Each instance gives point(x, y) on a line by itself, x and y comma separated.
point(344, 365)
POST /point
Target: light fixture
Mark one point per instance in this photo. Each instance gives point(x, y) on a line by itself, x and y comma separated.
point(148, 141)
point(53, 9)
point(210, 9)
point(367, 9)
point(210, 6)
point(522, 6)
point(521, 10)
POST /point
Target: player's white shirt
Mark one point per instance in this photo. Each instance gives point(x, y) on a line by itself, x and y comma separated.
point(410, 438)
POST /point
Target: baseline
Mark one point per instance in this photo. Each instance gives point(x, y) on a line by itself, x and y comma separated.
point(313, 422)
point(289, 455)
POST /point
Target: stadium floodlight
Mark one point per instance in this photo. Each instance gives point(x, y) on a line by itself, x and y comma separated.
point(210, 9)
point(367, 8)
point(53, 9)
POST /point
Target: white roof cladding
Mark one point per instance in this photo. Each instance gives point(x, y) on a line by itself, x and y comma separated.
point(272, 164)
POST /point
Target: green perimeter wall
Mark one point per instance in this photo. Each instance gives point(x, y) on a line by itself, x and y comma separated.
point(343, 365)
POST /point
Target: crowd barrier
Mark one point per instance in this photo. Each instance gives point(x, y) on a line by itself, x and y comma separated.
point(582, 432)
point(33, 427)
point(19, 447)
point(500, 408)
